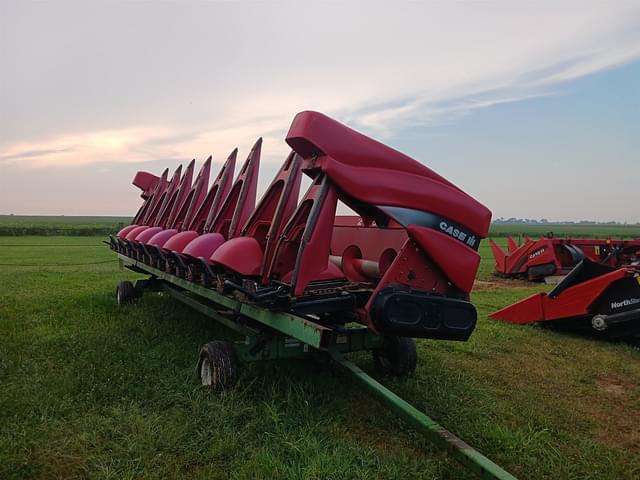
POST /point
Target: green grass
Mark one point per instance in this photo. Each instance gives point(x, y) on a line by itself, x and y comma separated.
point(567, 230)
point(92, 390)
point(20, 225)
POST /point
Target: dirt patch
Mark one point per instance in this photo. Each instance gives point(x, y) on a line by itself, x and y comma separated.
point(480, 285)
point(616, 415)
point(358, 427)
point(603, 404)
point(618, 431)
point(615, 385)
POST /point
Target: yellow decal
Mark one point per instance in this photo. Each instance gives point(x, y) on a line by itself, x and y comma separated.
point(597, 248)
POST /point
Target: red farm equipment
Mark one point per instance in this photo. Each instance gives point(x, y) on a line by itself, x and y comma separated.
point(593, 297)
point(295, 280)
point(535, 260)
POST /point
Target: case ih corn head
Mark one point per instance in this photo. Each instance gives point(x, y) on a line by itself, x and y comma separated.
point(294, 280)
point(536, 260)
point(592, 298)
point(599, 294)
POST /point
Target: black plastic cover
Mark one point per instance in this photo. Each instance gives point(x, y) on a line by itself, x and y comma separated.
point(540, 271)
point(420, 314)
point(584, 271)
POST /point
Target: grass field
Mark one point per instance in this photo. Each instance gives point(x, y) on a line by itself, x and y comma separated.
point(92, 390)
point(567, 230)
point(20, 225)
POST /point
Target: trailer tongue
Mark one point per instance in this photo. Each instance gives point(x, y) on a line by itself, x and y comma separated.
point(293, 280)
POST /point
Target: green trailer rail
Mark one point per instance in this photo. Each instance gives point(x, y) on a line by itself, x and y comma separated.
point(269, 335)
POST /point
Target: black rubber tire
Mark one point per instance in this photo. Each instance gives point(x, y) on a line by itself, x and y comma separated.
point(397, 357)
point(218, 367)
point(125, 293)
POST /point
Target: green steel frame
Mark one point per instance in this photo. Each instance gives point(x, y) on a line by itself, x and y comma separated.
point(275, 335)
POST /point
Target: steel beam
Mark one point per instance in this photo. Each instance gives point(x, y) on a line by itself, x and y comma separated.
point(442, 438)
point(313, 334)
point(209, 311)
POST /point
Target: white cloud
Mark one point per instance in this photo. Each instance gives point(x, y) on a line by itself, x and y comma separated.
point(136, 145)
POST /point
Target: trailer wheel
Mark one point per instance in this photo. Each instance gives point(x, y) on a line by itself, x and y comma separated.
point(398, 356)
point(125, 292)
point(217, 366)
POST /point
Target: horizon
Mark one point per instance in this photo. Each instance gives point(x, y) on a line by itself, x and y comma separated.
point(499, 220)
point(531, 127)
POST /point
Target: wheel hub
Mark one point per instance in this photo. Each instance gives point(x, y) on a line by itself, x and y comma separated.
point(206, 373)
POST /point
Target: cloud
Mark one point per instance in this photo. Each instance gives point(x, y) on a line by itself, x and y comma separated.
point(536, 83)
point(22, 153)
point(116, 145)
point(136, 145)
point(386, 121)
point(122, 85)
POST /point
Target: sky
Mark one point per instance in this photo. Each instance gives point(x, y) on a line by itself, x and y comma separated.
point(533, 108)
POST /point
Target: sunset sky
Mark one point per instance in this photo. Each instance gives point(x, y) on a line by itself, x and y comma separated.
point(533, 108)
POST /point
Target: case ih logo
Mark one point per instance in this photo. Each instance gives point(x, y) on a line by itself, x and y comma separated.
point(455, 232)
point(625, 303)
point(537, 253)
